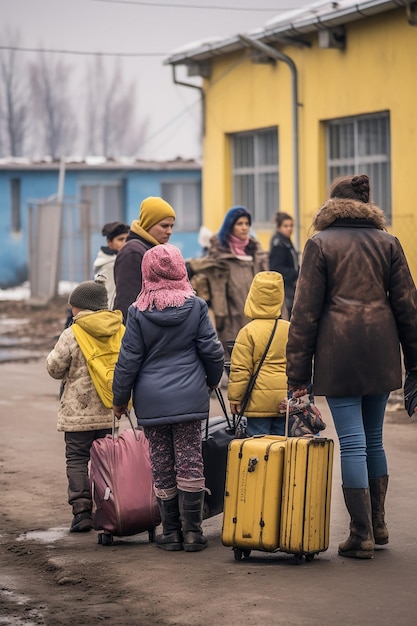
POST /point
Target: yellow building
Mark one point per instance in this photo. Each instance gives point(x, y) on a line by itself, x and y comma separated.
point(318, 92)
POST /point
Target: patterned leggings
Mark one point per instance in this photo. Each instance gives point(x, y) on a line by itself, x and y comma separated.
point(176, 457)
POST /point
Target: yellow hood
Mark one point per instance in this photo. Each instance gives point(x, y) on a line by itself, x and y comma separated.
point(265, 297)
point(100, 324)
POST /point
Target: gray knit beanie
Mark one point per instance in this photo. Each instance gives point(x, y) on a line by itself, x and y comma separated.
point(91, 295)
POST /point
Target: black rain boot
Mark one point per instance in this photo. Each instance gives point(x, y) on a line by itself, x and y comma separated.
point(378, 488)
point(360, 543)
point(191, 508)
point(171, 538)
point(82, 522)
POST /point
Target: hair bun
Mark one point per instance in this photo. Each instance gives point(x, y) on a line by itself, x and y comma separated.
point(360, 185)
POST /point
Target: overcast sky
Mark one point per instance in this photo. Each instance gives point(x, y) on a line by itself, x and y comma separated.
point(105, 26)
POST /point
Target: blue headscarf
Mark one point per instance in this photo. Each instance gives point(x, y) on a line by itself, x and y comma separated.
point(229, 221)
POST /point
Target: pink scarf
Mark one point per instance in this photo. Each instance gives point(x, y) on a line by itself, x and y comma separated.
point(237, 246)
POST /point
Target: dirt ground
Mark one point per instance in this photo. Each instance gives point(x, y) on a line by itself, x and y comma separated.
point(51, 577)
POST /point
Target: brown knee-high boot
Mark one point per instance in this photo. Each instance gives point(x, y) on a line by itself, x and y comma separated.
point(378, 488)
point(360, 543)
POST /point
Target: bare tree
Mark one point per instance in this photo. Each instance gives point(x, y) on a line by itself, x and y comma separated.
point(57, 127)
point(13, 111)
point(112, 125)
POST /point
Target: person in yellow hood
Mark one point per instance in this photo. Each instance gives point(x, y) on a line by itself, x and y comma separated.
point(82, 415)
point(263, 306)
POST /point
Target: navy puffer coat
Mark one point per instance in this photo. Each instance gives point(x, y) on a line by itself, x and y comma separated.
point(168, 359)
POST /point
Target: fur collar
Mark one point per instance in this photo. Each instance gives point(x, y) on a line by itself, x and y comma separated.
point(341, 209)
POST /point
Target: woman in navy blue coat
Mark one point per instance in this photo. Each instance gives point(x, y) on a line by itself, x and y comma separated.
point(170, 358)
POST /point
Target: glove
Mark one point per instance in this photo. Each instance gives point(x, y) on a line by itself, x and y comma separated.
point(298, 388)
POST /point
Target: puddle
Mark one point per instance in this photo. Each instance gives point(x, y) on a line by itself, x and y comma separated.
point(7, 356)
point(12, 342)
point(6, 323)
point(17, 603)
point(44, 536)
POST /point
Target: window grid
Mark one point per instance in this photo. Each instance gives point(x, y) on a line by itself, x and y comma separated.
point(255, 172)
point(105, 202)
point(362, 145)
point(185, 197)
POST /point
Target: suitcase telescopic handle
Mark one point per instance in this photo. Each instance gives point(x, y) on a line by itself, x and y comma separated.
point(116, 423)
point(287, 414)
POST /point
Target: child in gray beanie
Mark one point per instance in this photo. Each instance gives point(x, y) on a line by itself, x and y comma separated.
point(84, 414)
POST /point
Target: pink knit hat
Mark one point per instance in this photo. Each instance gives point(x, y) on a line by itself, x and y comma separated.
point(164, 279)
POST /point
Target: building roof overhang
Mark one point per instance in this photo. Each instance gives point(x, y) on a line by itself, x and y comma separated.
point(289, 27)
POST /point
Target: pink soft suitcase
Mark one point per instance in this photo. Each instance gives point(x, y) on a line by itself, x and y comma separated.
point(124, 502)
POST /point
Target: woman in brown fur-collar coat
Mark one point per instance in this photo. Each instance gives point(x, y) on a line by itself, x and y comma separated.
point(355, 304)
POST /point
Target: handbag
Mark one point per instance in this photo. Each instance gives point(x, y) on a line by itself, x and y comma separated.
point(304, 417)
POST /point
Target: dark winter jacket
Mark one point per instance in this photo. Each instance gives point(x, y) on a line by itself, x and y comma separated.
point(128, 272)
point(283, 259)
point(355, 303)
point(168, 358)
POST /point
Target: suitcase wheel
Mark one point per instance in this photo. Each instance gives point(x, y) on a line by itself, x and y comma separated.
point(308, 557)
point(151, 534)
point(105, 539)
point(239, 553)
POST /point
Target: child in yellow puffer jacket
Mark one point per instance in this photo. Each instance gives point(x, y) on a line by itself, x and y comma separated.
point(263, 306)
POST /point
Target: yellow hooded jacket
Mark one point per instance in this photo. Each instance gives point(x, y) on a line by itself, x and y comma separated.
point(263, 306)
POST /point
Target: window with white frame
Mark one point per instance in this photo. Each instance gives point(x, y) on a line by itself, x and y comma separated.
point(255, 172)
point(185, 197)
point(361, 145)
point(105, 203)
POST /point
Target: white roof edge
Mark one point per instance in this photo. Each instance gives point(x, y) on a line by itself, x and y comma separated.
point(99, 163)
point(302, 23)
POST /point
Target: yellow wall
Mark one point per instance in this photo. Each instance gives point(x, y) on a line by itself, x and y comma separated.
point(376, 72)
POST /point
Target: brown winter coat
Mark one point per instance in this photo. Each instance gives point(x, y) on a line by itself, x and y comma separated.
point(224, 280)
point(355, 303)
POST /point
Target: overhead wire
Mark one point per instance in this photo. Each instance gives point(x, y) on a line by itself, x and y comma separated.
point(158, 4)
point(85, 52)
point(177, 5)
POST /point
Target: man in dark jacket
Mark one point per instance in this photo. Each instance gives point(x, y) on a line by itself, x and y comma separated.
point(154, 226)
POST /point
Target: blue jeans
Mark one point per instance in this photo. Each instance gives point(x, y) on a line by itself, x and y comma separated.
point(265, 426)
point(358, 421)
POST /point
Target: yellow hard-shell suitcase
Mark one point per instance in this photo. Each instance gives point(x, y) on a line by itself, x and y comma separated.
point(277, 495)
point(252, 503)
point(306, 494)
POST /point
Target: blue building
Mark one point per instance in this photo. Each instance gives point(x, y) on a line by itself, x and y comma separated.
point(96, 191)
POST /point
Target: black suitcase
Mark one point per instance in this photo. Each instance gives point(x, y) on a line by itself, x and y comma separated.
point(217, 433)
point(216, 438)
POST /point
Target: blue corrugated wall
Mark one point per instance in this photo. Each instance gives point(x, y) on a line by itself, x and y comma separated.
point(35, 184)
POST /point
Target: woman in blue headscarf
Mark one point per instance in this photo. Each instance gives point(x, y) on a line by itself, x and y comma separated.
point(233, 259)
